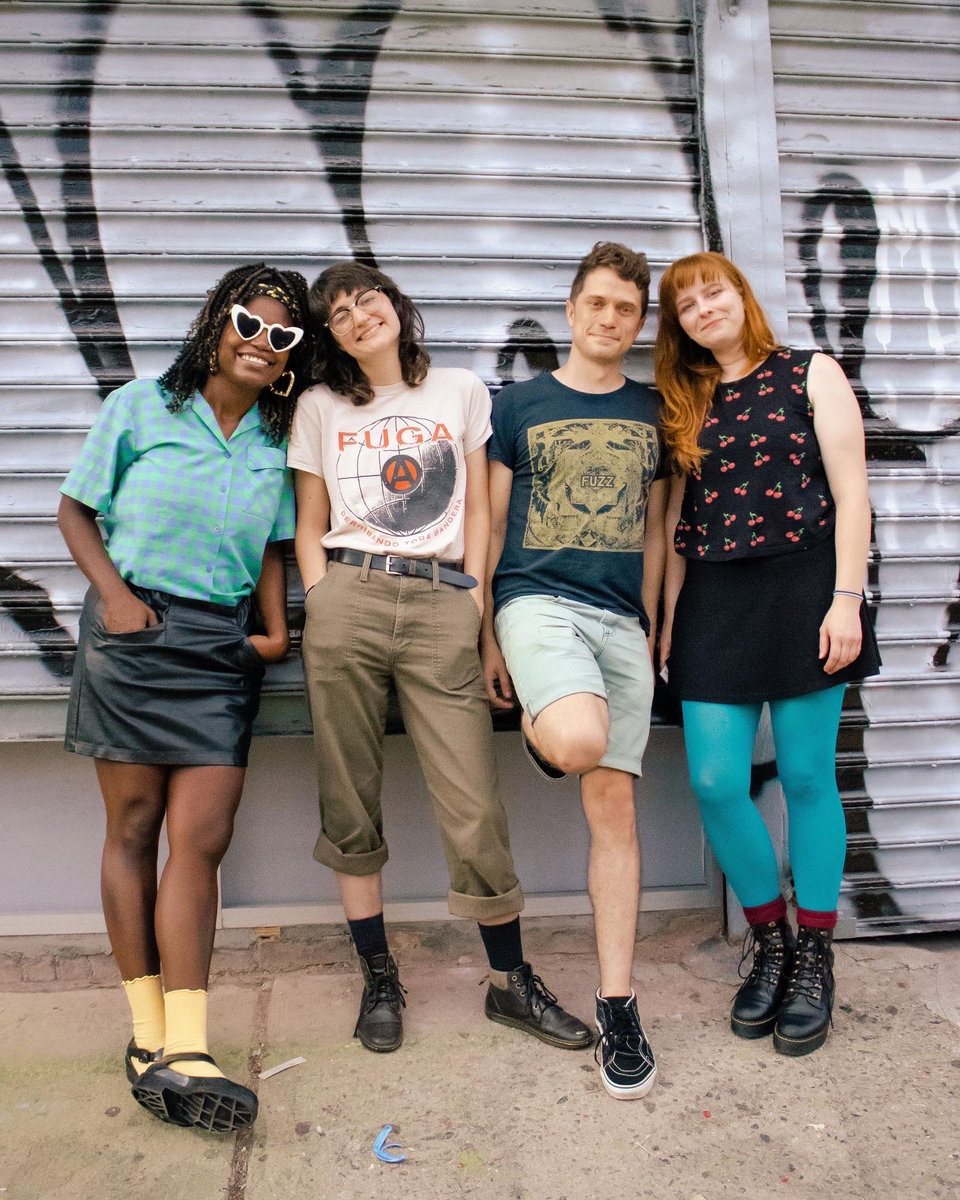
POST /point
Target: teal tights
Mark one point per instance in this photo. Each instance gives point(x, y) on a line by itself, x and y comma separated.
point(719, 740)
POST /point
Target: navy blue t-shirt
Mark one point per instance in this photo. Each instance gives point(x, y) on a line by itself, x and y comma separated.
point(582, 467)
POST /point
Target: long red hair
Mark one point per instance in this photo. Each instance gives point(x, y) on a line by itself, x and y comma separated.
point(686, 373)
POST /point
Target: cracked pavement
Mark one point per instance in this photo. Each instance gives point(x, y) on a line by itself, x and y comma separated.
point(487, 1112)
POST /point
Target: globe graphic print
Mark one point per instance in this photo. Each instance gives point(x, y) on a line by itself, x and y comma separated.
point(399, 474)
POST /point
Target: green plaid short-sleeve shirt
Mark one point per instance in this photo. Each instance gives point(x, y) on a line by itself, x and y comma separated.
point(185, 510)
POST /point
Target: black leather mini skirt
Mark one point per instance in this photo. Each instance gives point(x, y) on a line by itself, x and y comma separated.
point(183, 692)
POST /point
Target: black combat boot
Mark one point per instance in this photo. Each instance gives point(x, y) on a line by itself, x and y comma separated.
point(806, 1013)
point(380, 1025)
point(756, 1004)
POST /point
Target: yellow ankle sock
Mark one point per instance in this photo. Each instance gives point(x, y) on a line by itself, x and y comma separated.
point(186, 1012)
point(145, 997)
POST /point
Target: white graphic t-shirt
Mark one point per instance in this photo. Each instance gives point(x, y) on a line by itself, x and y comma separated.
point(394, 468)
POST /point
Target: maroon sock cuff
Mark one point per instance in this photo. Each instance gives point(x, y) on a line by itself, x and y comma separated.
point(816, 920)
point(763, 914)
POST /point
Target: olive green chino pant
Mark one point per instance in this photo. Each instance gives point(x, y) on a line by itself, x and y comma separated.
point(364, 628)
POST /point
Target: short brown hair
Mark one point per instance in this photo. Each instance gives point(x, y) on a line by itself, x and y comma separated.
point(630, 265)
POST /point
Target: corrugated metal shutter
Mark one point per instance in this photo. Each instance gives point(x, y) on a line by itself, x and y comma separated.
point(148, 146)
point(867, 100)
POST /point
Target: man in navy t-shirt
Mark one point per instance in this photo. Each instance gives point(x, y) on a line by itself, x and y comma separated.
point(578, 492)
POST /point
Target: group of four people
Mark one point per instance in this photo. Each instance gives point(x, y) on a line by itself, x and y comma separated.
point(468, 554)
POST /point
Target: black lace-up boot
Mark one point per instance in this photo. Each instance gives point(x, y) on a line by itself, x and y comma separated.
point(380, 1025)
point(807, 1010)
point(756, 1004)
point(520, 999)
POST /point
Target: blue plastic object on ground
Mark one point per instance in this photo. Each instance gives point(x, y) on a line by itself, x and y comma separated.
point(382, 1148)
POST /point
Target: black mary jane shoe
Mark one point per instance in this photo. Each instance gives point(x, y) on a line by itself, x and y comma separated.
point(215, 1103)
point(134, 1054)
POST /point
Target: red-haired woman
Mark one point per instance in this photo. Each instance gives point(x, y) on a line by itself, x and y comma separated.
point(770, 521)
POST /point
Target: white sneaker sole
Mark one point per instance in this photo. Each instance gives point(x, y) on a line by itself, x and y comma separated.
point(630, 1093)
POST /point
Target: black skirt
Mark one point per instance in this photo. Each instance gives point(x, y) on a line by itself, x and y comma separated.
point(183, 692)
point(748, 630)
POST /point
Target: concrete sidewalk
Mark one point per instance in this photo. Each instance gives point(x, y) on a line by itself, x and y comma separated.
point(484, 1111)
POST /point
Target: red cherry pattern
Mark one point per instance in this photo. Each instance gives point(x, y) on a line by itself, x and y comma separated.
point(784, 462)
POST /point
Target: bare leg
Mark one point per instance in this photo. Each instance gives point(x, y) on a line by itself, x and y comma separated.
point(202, 803)
point(361, 895)
point(572, 732)
point(135, 797)
point(613, 873)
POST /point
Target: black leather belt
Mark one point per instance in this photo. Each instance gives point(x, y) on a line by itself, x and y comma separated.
point(395, 564)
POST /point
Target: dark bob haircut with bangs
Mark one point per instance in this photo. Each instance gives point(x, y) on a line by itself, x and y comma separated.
point(339, 370)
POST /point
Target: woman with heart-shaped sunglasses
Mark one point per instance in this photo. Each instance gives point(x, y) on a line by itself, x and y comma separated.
point(188, 473)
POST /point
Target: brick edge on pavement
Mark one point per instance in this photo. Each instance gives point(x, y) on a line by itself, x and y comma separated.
point(45, 963)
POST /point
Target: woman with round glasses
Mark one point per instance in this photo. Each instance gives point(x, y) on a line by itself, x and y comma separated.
point(188, 472)
point(392, 533)
point(770, 520)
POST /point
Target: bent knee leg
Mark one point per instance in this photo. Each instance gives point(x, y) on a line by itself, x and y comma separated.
point(572, 732)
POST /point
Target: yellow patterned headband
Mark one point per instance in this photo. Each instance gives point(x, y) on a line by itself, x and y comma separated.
point(276, 292)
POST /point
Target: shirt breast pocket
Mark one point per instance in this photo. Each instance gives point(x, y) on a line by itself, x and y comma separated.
point(262, 484)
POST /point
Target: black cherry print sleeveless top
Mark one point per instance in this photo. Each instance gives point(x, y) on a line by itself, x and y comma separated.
point(761, 488)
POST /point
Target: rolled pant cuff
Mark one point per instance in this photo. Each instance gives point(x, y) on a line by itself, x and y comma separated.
point(486, 908)
point(369, 863)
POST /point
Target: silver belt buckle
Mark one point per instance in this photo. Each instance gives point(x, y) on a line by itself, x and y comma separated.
point(395, 565)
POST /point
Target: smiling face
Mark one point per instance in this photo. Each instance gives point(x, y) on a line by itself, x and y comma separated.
point(605, 317)
point(711, 314)
point(252, 366)
point(371, 336)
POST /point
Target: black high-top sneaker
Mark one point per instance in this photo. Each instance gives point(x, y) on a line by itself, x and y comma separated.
point(756, 1004)
point(627, 1065)
point(806, 1013)
point(380, 1024)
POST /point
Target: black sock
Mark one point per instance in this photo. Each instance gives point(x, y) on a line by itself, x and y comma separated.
point(369, 936)
point(503, 945)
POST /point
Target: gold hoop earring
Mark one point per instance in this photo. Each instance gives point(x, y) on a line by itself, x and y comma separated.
point(289, 388)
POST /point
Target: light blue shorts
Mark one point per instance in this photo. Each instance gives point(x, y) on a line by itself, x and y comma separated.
point(556, 647)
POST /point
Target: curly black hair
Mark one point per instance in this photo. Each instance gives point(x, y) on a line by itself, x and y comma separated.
point(337, 369)
point(197, 359)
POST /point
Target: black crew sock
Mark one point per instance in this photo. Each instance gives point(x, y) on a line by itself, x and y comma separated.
point(369, 936)
point(503, 945)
